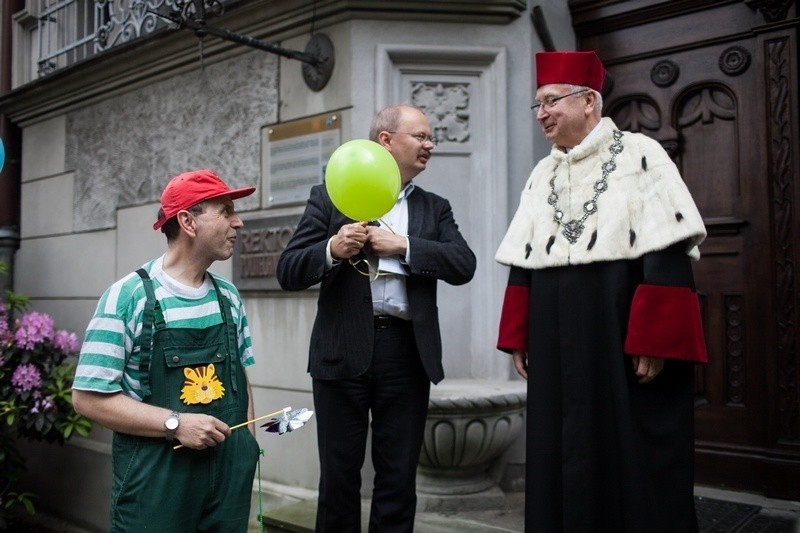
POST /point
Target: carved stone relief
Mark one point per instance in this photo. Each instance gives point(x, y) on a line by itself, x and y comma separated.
point(447, 107)
point(123, 150)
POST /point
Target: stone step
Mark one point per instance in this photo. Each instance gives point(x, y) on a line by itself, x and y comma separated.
point(296, 517)
point(299, 517)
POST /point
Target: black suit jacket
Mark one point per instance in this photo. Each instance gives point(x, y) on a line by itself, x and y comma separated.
point(343, 334)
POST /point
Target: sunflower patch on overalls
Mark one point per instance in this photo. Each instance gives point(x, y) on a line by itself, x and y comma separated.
point(190, 371)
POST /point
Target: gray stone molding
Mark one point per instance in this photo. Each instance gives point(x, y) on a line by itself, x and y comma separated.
point(470, 111)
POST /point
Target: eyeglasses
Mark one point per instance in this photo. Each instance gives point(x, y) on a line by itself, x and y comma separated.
point(550, 101)
point(421, 137)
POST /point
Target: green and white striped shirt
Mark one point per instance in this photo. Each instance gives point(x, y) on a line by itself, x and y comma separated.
point(109, 358)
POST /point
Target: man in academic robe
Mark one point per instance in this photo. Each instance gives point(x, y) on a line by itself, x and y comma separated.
point(601, 317)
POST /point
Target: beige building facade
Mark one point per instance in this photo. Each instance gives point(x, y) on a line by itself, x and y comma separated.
point(100, 135)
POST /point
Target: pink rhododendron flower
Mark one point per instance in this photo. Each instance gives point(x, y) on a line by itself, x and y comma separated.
point(26, 377)
point(33, 328)
point(65, 341)
point(41, 405)
point(35, 386)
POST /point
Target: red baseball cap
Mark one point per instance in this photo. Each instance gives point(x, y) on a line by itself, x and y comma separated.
point(573, 68)
point(190, 188)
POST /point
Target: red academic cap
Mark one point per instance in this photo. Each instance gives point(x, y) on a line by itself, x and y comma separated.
point(190, 188)
point(573, 68)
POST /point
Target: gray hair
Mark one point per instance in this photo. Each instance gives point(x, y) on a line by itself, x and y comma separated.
point(597, 95)
point(388, 119)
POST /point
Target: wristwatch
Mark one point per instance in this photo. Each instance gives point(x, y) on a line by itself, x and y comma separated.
point(171, 424)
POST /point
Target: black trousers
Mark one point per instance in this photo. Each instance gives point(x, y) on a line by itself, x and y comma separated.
point(395, 391)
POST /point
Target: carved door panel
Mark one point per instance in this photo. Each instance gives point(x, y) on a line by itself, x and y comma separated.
point(704, 106)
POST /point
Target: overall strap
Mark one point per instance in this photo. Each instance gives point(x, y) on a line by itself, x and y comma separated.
point(152, 315)
point(230, 331)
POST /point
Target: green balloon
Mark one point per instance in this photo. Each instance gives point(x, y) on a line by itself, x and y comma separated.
point(362, 179)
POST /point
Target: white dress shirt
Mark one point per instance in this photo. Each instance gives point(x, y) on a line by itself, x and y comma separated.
point(388, 274)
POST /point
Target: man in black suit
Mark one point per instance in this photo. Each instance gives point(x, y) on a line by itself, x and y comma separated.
point(376, 345)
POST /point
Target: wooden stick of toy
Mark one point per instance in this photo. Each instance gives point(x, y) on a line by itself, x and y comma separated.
point(237, 426)
point(276, 413)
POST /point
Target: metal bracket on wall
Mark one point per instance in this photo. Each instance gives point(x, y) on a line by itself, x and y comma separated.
point(318, 57)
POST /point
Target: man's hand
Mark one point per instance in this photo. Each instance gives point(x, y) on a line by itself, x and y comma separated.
point(520, 363)
point(199, 431)
point(384, 243)
point(121, 413)
point(349, 240)
point(647, 368)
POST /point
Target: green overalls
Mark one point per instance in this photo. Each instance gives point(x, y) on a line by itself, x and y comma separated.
point(156, 488)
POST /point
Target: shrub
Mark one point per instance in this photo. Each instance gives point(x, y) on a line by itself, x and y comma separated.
point(37, 365)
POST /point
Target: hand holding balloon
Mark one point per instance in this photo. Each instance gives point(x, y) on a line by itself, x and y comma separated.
point(362, 179)
point(349, 240)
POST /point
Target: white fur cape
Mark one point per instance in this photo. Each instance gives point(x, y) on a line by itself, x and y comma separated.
point(646, 207)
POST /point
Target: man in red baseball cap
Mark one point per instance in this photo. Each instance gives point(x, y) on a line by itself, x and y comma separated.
point(601, 317)
point(163, 363)
point(190, 188)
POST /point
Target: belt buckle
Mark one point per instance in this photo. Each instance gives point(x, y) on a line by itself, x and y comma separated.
point(382, 321)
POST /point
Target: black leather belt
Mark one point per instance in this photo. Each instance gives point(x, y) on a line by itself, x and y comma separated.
point(387, 321)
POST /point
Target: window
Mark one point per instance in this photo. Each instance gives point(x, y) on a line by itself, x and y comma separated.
point(66, 32)
point(54, 34)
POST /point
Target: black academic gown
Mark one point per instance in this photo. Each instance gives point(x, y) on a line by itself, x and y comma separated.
point(604, 453)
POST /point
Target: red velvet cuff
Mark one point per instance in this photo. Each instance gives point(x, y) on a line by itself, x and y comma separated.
point(665, 322)
point(514, 319)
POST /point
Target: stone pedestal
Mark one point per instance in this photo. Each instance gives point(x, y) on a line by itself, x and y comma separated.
point(470, 424)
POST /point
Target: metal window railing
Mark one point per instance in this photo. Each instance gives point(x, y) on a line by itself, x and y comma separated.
point(72, 30)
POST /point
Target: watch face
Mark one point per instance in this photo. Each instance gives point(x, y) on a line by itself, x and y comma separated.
point(171, 423)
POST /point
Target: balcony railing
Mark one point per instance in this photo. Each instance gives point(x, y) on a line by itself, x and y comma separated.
point(72, 30)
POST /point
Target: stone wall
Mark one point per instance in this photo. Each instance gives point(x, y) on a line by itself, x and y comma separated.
point(123, 149)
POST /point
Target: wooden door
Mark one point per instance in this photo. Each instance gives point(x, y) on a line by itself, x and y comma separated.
point(725, 110)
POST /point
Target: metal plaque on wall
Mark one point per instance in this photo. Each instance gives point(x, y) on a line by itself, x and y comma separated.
point(258, 247)
point(295, 154)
